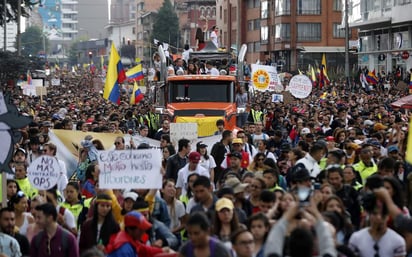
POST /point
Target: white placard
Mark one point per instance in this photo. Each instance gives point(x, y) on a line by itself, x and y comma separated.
point(300, 86)
point(44, 172)
point(130, 169)
point(37, 82)
point(55, 82)
point(265, 78)
point(183, 130)
point(277, 98)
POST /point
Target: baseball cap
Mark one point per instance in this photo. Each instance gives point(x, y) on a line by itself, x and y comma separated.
point(300, 173)
point(131, 195)
point(393, 148)
point(330, 138)
point(305, 131)
point(235, 154)
point(235, 183)
point(200, 144)
point(136, 219)
point(223, 203)
point(379, 126)
point(20, 150)
point(368, 123)
point(194, 157)
point(237, 141)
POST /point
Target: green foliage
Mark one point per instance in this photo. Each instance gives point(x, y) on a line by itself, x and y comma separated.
point(12, 9)
point(73, 53)
point(32, 41)
point(166, 25)
point(12, 67)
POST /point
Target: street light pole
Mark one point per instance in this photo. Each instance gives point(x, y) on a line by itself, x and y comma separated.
point(5, 24)
point(347, 43)
point(18, 27)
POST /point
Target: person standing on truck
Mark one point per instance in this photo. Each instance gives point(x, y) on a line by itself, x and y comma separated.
point(241, 100)
point(211, 69)
point(165, 129)
point(214, 36)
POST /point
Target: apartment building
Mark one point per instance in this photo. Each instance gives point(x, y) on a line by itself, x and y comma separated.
point(288, 33)
point(385, 33)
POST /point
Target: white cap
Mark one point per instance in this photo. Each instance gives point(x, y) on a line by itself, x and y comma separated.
point(305, 131)
point(131, 195)
point(368, 123)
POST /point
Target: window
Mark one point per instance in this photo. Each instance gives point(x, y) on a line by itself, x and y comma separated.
point(250, 25)
point(309, 31)
point(337, 5)
point(282, 7)
point(282, 32)
point(134, 30)
point(220, 12)
point(338, 32)
point(308, 7)
point(264, 35)
point(256, 46)
point(256, 24)
point(250, 47)
point(402, 2)
point(253, 4)
point(264, 9)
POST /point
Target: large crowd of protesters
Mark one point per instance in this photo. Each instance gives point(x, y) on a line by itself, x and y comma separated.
point(321, 176)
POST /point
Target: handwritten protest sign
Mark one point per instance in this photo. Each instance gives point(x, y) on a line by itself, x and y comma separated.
point(130, 169)
point(44, 172)
point(300, 86)
point(183, 130)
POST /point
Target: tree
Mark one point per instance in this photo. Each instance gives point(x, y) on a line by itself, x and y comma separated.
point(33, 41)
point(166, 26)
point(11, 67)
point(12, 10)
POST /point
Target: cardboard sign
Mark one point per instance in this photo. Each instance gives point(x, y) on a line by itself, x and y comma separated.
point(41, 91)
point(300, 86)
point(183, 130)
point(130, 169)
point(265, 78)
point(44, 172)
point(277, 98)
point(55, 82)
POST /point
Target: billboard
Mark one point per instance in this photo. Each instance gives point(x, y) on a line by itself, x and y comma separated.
point(51, 15)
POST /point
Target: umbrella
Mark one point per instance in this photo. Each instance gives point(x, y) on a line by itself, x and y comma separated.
point(404, 102)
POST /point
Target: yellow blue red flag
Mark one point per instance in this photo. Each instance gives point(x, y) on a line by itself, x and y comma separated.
point(135, 73)
point(137, 95)
point(115, 76)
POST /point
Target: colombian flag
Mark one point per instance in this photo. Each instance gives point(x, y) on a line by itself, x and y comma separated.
point(135, 73)
point(371, 78)
point(115, 76)
point(136, 96)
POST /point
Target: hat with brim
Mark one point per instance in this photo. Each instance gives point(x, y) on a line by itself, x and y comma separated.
point(224, 203)
point(136, 219)
point(235, 183)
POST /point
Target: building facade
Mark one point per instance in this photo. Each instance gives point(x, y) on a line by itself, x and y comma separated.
point(11, 32)
point(385, 33)
point(288, 33)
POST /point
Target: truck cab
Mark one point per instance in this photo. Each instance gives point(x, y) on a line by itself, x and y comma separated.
point(201, 99)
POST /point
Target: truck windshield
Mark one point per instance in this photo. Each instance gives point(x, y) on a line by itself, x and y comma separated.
point(201, 91)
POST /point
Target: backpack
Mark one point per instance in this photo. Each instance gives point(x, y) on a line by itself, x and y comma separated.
point(65, 239)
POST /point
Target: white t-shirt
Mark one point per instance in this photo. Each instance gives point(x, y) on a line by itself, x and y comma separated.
point(68, 217)
point(179, 213)
point(391, 244)
point(207, 164)
point(184, 173)
point(213, 38)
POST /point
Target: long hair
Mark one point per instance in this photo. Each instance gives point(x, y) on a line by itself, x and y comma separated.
point(172, 212)
point(89, 170)
point(217, 224)
point(189, 192)
point(397, 197)
point(109, 226)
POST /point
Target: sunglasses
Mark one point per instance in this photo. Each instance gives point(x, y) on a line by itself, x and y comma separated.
point(117, 143)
